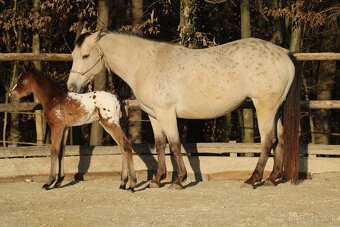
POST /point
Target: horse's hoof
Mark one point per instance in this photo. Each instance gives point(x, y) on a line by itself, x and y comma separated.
point(46, 187)
point(122, 187)
point(176, 186)
point(248, 185)
point(154, 184)
point(57, 186)
point(269, 183)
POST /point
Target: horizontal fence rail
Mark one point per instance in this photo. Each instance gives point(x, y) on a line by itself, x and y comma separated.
point(68, 57)
point(204, 161)
point(35, 57)
point(190, 149)
point(31, 106)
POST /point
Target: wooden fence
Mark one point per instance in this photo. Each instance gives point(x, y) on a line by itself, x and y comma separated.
point(68, 57)
point(205, 161)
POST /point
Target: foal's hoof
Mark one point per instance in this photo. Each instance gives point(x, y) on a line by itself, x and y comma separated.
point(176, 186)
point(131, 189)
point(154, 184)
point(269, 183)
point(248, 185)
point(46, 187)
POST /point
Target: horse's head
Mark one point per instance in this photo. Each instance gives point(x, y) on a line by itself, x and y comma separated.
point(24, 86)
point(87, 61)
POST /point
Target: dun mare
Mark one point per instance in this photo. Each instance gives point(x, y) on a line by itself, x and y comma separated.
point(63, 109)
point(171, 81)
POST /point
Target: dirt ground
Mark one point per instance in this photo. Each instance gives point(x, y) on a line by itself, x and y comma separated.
point(99, 202)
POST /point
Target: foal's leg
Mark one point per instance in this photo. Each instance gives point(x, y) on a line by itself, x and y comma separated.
point(167, 120)
point(278, 157)
point(160, 144)
point(266, 127)
point(61, 173)
point(126, 148)
point(56, 137)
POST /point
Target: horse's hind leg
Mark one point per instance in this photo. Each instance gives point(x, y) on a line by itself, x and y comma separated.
point(278, 157)
point(56, 137)
point(266, 127)
point(160, 144)
point(61, 173)
point(126, 148)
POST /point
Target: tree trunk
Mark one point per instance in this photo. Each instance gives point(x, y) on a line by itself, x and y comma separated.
point(295, 37)
point(137, 15)
point(135, 113)
point(324, 91)
point(187, 26)
point(190, 130)
point(278, 26)
point(325, 85)
point(245, 19)
point(39, 122)
point(247, 114)
point(99, 82)
point(15, 118)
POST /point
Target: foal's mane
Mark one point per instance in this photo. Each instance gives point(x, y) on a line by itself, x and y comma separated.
point(49, 81)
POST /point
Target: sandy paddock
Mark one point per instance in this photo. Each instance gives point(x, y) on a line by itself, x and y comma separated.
point(99, 202)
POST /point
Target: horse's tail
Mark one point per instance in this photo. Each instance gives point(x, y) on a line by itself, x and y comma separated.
point(291, 142)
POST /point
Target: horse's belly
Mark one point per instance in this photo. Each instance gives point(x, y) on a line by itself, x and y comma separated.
point(207, 108)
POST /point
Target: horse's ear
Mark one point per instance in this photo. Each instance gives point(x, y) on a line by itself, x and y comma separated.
point(99, 34)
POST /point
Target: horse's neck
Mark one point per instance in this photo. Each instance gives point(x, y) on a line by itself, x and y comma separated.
point(44, 89)
point(126, 54)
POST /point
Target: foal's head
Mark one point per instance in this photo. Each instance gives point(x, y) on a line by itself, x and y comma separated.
point(25, 84)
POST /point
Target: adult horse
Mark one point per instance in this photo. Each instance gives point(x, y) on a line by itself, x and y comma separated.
point(171, 81)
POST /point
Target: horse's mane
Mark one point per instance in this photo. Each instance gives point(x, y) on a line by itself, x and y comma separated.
point(81, 38)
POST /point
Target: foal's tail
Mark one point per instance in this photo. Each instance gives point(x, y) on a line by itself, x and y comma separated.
point(291, 126)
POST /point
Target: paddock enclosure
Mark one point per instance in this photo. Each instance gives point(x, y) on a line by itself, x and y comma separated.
point(212, 195)
point(99, 202)
point(206, 161)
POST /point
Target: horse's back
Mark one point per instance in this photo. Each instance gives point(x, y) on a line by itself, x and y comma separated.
point(206, 83)
point(216, 80)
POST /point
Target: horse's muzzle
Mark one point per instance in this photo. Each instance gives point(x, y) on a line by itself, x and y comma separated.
point(72, 87)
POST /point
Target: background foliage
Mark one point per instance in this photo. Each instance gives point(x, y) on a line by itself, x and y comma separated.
point(57, 23)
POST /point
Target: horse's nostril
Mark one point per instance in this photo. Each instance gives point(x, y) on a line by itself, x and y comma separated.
point(72, 87)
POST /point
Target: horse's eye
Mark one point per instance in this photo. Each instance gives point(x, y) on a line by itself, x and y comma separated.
point(85, 56)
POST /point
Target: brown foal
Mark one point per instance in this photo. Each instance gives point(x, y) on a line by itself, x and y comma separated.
point(63, 109)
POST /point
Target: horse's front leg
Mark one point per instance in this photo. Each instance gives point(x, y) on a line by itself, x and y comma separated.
point(61, 173)
point(168, 121)
point(56, 136)
point(160, 144)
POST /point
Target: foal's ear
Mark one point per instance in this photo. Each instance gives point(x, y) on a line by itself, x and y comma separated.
point(26, 66)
